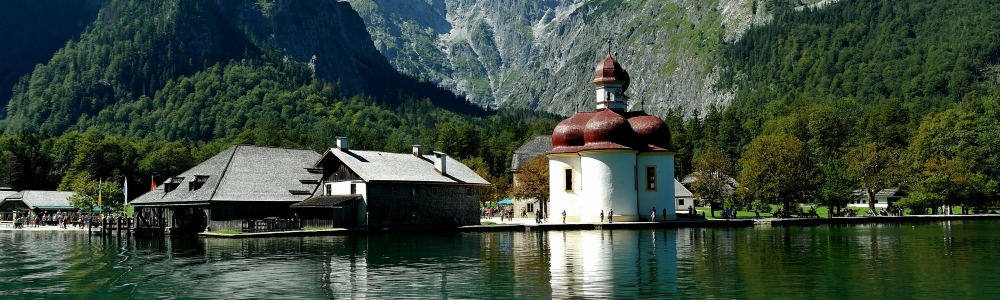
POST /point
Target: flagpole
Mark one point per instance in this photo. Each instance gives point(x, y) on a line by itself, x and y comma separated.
point(100, 183)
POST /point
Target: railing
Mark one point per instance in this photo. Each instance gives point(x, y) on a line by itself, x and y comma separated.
point(271, 224)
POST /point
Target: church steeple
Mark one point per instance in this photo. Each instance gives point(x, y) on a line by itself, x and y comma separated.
point(611, 82)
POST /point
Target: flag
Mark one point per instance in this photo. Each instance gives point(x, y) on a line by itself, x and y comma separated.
point(99, 184)
point(125, 190)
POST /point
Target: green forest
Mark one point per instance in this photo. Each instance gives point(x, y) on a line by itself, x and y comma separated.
point(857, 95)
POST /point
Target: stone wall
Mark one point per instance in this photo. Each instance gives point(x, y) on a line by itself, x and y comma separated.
point(395, 205)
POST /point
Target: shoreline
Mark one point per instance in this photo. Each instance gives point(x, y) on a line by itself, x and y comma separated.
point(528, 225)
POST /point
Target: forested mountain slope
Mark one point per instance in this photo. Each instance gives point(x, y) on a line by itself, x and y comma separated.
point(136, 48)
point(32, 31)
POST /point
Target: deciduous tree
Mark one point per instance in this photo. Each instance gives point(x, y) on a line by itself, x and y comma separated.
point(533, 181)
point(777, 169)
point(712, 184)
point(875, 168)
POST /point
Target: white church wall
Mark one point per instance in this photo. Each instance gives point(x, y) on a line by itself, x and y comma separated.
point(662, 196)
point(609, 180)
point(559, 198)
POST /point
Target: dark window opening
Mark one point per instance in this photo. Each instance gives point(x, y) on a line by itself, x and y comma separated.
point(650, 178)
point(569, 179)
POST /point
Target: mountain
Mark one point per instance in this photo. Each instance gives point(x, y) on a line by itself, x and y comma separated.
point(33, 30)
point(539, 54)
point(120, 65)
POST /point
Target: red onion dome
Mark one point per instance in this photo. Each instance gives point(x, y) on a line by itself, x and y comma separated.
point(610, 71)
point(651, 131)
point(568, 134)
point(608, 130)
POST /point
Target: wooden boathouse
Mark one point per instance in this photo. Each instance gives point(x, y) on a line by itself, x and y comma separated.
point(239, 187)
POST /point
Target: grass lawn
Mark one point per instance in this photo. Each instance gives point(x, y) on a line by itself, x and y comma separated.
point(823, 211)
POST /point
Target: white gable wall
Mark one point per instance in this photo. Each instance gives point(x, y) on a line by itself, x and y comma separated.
point(360, 187)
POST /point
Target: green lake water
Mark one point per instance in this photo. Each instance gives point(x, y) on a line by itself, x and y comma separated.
point(939, 260)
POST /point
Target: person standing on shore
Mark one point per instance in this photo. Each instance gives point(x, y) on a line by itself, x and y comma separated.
point(611, 212)
point(602, 216)
point(652, 215)
point(564, 216)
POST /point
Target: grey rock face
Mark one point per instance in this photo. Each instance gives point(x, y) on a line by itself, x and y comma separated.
point(541, 54)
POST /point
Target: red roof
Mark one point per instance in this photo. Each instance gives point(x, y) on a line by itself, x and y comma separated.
point(610, 129)
point(610, 71)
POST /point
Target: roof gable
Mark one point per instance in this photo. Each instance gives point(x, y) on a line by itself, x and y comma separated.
point(385, 166)
point(681, 191)
point(537, 146)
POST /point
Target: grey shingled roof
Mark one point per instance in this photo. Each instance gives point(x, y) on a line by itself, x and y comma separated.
point(400, 167)
point(535, 147)
point(6, 193)
point(34, 199)
point(680, 191)
point(242, 173)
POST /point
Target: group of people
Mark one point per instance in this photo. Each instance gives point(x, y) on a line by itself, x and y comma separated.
point(892, 210)
point(505, 213)
point(61, 219)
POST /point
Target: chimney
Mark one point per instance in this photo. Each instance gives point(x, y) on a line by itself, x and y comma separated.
point(439, 162)
point(342, 143)
point(416, 151)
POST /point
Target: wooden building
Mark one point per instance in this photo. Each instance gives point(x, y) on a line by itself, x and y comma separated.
point(239, 184)
point(398, 189)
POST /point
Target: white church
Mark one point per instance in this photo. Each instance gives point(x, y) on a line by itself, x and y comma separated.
point(611, 159)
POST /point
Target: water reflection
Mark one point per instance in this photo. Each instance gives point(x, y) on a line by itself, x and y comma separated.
point(619, 263)
point(913, 261)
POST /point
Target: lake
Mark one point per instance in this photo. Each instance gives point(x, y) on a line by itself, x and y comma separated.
point(931, 260)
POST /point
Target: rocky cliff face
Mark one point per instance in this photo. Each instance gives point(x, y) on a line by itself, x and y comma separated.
point(326, 34)
point(540, 54)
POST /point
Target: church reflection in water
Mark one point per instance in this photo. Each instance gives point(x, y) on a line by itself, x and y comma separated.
point(609, 263)
point(554, 264)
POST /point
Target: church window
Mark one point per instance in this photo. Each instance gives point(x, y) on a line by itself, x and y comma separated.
point(569, 179)
point(650, 177)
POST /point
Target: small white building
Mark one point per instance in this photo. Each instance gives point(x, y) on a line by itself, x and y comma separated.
point(611, 158)
point(684, 196)
point(882, 198)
